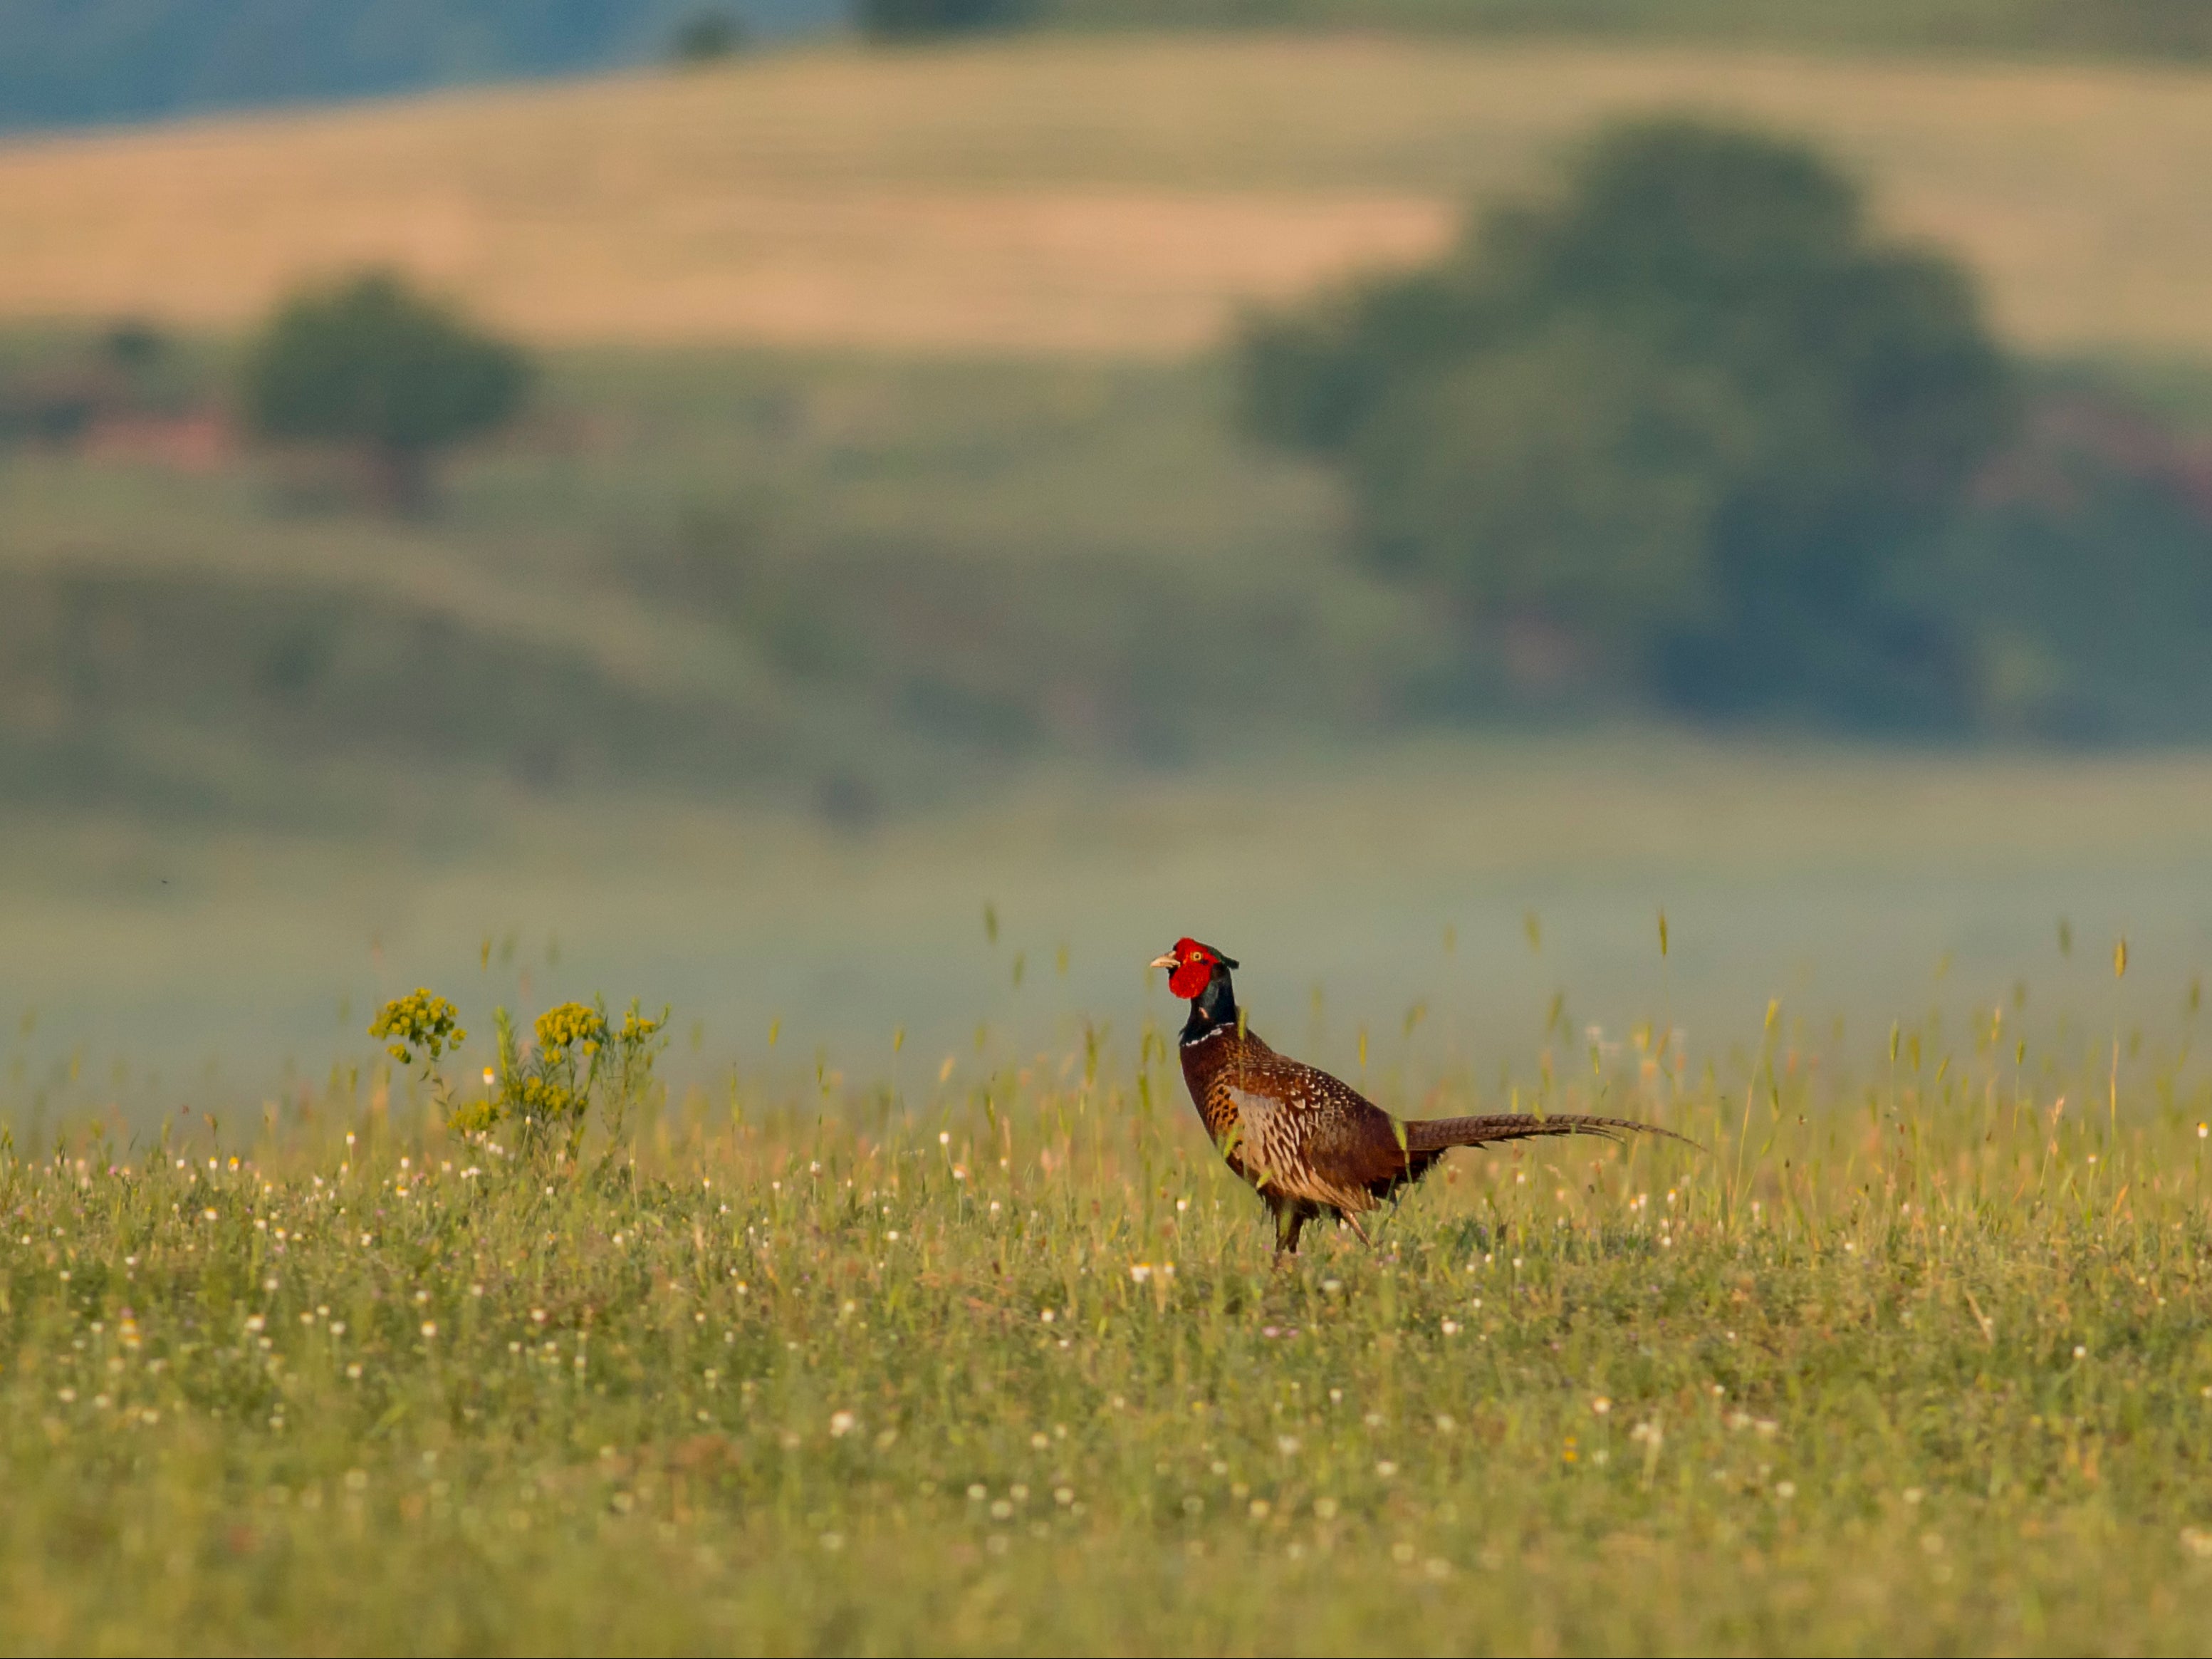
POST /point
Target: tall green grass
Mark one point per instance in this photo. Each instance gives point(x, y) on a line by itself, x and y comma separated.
point(1912, 1356)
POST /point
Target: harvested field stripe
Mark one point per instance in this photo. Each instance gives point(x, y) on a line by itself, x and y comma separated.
point(1080, 196)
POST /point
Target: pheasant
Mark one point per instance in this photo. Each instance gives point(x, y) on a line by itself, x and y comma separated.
point(1310, 1144)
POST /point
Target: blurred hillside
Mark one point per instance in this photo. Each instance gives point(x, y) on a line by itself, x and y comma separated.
point(918, 468)
point(1106, 197)
point(2179, 29)
point(72, 62)
point(841, 584)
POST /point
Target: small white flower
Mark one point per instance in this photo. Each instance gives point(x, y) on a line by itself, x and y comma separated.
point(842, 1423)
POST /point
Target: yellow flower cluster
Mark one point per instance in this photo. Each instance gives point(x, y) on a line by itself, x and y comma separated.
point(420, 1020)
point(542, 1098)
point(474, 1117)
point(571, 1025)
point(581, 1060)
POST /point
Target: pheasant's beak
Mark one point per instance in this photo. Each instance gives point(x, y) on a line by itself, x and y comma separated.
point(1167, 961)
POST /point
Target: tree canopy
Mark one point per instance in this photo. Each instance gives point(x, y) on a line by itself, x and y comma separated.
point(369, 363)
point(1692, 409)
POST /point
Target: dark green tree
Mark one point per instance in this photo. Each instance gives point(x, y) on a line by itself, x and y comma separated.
point(1690, 411)
point(906, 20)
point(371, 365)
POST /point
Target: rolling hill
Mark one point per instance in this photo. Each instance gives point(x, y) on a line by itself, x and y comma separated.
point(1063, 194)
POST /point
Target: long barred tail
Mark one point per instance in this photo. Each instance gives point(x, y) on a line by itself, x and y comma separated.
point(1435, 1135)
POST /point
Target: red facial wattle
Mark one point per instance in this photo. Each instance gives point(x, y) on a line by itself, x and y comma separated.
point(1191, 968)
point(1193, 973)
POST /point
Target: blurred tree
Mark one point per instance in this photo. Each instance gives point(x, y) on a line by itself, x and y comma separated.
point(897, 19)
point(370, 364)
point(707, 37)
point(1690, 411)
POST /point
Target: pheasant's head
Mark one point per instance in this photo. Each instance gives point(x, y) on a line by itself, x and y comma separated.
point(1192, 967)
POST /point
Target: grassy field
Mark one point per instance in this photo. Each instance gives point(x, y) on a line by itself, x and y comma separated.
point(1057, 194)
point(1913, 1357)
point(156, 964)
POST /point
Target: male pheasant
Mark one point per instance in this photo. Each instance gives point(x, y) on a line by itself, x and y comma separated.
point(1309, 1144)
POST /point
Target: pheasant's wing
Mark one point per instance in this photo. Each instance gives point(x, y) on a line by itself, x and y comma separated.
point(1306, 1134)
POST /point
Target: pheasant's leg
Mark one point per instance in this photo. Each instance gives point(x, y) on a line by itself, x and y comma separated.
point(1290, 1222)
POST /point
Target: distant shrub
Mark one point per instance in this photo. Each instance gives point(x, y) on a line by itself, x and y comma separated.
point(897, 19)
point(58, 393)
point(370, 364)
point(2083, 573)
point(707, 38)
point(1690, 412)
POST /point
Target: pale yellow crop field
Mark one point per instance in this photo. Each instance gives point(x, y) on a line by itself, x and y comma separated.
point(1076, 195)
